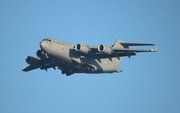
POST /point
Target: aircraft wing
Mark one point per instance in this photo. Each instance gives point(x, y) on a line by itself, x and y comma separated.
point(94, 49)
point(120, 52)
point(42, 64)
point(136, 50)
point(29, 68)
point(117, 54)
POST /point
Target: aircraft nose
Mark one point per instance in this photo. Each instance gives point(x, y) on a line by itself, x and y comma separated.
point(42, 45)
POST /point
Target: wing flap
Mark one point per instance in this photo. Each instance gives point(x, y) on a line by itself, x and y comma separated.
point(50, 65)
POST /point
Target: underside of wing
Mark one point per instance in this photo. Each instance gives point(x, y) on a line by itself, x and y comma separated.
point(35, 63)
point(117, 54)
point(135, 44)
point(30, 67)
point(135, 50)
point(132, 50)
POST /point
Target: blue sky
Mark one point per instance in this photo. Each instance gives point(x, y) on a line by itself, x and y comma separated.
point(149, 82)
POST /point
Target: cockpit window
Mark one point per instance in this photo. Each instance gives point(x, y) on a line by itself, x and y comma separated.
point(47, 40)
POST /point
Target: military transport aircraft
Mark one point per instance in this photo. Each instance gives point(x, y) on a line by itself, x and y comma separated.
point(81, 58)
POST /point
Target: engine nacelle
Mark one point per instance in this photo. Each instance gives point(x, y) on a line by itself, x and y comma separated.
point(105, 49)
point(82, 48)
point(32, 60)
point(40, 54)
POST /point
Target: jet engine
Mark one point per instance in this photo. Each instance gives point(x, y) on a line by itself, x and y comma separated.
point(40, 54)
point(105, 49)
point(82, 48)
point(32, 60)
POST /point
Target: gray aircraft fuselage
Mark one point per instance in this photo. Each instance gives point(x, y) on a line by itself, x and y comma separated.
point(81, 58)
point(65, 56)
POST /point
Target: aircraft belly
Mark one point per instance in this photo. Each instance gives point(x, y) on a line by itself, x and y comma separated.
point(96, 66)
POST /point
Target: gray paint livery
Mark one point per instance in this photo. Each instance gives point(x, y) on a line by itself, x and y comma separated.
point(81, 58)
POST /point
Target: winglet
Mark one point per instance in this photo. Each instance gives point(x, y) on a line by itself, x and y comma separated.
point(23, 68)
point(155, 49)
